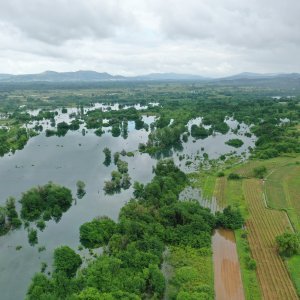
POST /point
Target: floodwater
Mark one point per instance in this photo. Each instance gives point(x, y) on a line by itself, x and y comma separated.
point(65, 160)
point(227, 274)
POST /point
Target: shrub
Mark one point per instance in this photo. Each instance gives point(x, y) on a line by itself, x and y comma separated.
point(237, 143)
point(288, 244)
point(234, 176)
point(260, 171)
point(230, 218)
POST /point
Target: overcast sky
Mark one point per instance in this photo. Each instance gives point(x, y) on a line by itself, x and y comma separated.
point(130, 37)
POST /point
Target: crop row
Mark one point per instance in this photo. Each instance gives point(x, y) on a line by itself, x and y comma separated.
point(263, 226)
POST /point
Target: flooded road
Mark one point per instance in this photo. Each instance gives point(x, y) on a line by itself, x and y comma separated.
point(228, 281)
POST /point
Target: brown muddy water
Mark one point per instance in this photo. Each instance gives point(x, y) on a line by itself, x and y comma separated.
point(227, 274)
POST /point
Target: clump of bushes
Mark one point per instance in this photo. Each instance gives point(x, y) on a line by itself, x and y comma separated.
point(234, 176)
point(288, 244)
point(260, 171)
point(236, 143)
point(48, 201)
point(230, 218)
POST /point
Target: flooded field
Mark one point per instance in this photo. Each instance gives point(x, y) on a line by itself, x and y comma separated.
point(65, 160)
point(228, 282)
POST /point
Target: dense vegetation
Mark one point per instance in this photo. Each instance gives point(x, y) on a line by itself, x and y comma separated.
point(288, 244)
point(120, 179)
point(133, 247)
point(272, 120)
point(46, 202)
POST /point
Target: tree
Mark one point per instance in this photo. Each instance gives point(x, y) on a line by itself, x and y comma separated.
point(12, 215)
point(122, 166)
point(32, 237)
point(51, 198)
point(234, 176)
point(260, 171)
point(11, 209)
point(116, 157)
point(156, 281)
point(97, 232)
point(107, 154)
point(66, 260)
point(80, 189)
point(125, 182)
point(237, 143)
point(41, 225)
point(288, 244)
point(199, 132)
point(91, 293)
point(115, 130)
point(2, 220)
point(230, 218)
point(39, 287)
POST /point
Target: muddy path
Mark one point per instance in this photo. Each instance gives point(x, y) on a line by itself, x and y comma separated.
point(227, 274)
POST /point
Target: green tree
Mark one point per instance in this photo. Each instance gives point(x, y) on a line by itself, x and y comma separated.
point(2, 220)
point(32, 237)
point(80, 189)
point(230, 218)
point(97, 232)
point(107, 154)
point(66, 260)
point(288, 244)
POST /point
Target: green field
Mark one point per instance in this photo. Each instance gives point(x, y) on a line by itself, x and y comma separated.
point(250, 282)
point(282, 189)
point(192, 274)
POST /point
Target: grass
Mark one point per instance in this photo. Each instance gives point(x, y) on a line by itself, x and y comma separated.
point(192, 273)
point(250, 282)
point(293, 265)
point(219, 192)
point(234, 196)
point(206, 182)
point(209, 186)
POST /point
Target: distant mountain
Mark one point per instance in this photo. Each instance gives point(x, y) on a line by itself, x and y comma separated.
point(249, 75)
point(169, 76)
point(92, 76)
point(61, 77)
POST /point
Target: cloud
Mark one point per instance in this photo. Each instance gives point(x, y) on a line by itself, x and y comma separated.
point(207, 37)
point(250, 24)
point(57, 21)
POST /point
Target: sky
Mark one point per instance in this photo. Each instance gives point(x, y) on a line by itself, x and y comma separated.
point(132, 37)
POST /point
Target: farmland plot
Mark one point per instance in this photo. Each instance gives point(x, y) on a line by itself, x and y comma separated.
point(263, 226)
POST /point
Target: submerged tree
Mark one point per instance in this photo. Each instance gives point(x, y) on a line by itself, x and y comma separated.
point(107, 154)
point(32, 237)
point(80, 189)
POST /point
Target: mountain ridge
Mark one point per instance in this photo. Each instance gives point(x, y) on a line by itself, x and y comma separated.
point(93, 76)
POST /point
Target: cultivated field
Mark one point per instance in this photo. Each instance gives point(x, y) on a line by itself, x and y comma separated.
point(263, 226)
point(219, 191)
point(282, 188)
